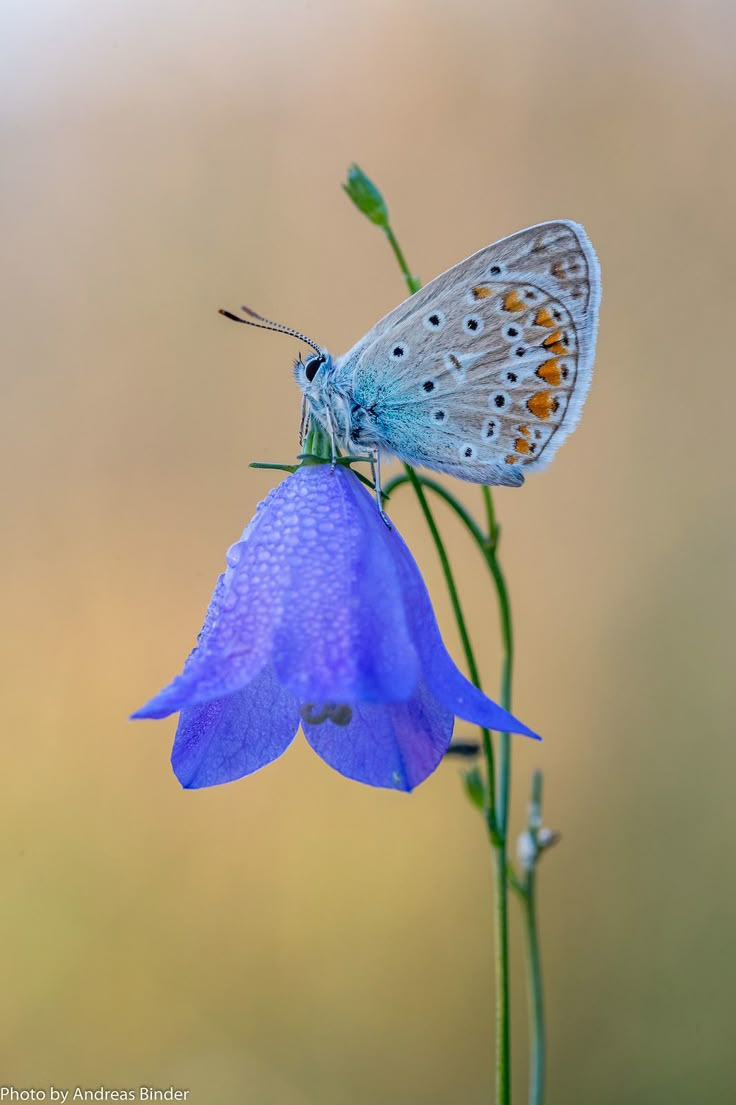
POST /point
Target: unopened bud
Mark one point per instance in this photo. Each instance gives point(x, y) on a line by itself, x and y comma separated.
point(474, 788)
point(365, 196)
point(526, 850)
point(547, 837)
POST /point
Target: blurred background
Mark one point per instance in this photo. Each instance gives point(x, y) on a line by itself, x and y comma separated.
point(295, 938)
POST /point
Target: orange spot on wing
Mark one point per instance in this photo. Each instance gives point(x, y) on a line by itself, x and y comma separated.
point(554, 343)
point(543, 318)
point(543, 404)
point(511, 459)
point(512, 301)
point(550, 372)
point(525, 431)
point(482, 292)
point(521, 445)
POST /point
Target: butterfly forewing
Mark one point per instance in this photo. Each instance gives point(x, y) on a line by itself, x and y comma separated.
point(484, 371)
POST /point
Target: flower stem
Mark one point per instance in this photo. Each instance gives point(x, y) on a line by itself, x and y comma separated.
point(412, 478)
point(369, 200)
point(412, 282)
point(498, 827)
point(503, 1028)
point(507, 636)
point(526, 888)
point(534, 984)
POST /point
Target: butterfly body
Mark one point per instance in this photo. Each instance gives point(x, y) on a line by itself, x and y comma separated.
point(483, 372)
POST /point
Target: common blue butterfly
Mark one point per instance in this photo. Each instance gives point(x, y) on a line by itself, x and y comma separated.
point(481, 374)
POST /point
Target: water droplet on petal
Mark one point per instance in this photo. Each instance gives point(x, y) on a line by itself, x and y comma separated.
point(234, 553)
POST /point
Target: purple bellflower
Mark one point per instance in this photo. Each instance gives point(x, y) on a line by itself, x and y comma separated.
point(320, 618)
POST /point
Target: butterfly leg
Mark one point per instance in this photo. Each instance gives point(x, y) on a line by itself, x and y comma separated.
point(331, 432)
point(304, 421)
point(376, 475)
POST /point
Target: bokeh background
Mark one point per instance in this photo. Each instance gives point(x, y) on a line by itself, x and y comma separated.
point(294, 938)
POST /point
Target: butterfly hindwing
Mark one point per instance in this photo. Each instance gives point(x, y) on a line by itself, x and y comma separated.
point(483, 372)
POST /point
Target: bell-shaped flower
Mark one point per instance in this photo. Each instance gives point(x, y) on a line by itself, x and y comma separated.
point(320, 618)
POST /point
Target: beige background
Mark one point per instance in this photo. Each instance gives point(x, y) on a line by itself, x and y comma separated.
point(296, 939)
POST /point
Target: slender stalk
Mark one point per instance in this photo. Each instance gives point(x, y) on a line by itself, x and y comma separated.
point(526, 889)
point(534, 985)
point(369, 200)
point(504, 786)
point(412, 282)
point(497, 828)
point(415, 481)
point(503, 1027)
point(441, 491)
point(504, 743)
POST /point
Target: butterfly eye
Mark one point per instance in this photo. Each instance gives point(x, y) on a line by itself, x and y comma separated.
point(313, 366)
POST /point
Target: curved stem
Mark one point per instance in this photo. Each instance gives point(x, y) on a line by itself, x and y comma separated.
point(498, 816)
point(488, 546)
point(497, 799)
point(465, 516)
point(417, 482)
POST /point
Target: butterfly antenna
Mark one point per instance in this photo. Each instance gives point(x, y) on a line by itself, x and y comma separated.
point(267, 324)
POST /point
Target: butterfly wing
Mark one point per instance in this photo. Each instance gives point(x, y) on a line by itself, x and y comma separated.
point(483, 373)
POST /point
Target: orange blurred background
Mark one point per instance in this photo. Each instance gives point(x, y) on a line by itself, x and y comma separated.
point(295, 938)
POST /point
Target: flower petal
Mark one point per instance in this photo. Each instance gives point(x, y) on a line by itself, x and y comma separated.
point(439, 671)
point(395, 745)
point(235, 641)
point(233, 736)
point(343, 634)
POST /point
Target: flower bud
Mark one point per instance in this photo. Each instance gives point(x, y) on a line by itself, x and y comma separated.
point(547, 837)
point(473, 783)
point(365, 196)
point(526, 850)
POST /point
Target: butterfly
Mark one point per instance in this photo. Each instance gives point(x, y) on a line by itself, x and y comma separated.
point(481, 374)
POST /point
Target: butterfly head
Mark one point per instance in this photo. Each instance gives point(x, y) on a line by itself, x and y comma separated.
point(312, 372)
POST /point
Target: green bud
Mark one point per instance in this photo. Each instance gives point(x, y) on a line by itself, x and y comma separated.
point(365, 196)
point(474, 788)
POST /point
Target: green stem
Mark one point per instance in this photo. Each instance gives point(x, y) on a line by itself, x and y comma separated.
point(416, 482)
point(526, 888)
point(497, 829)
point(369, 200)
point(464, 515)
point(534, 984)
point(488, 546)
point(503, 1038)
point(504, 606)
point(534, 969)
point(412, 282)
point(497, 792)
